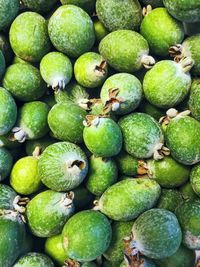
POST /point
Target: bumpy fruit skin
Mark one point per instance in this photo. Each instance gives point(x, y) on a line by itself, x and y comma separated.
point(187, 192)
point(157, 233)
point(100, 30)
point(127, 199)
point(7, 196)
point(8, 11)
point(47, 213)
point(188, 215)
point(106, 130)
point(127, 164)
point(112, 14)
point(24, 82)
point(194, 100)
point(86, 235)
point(169, 199)
point(87, 5)
point(118, 50)
point(34, 259)
point(2, 64)
point(29, 37)
point(162, 93)
point(153, 3)
point(137, 144)
point(6, 162)
point(39, 6)
point(184, 10)
point(8, 111)
point(182, 138)
point(62, 166)
point(161, 31)
point(65, 120)
point(195, 179)
point(41, 144)
point(71, 30)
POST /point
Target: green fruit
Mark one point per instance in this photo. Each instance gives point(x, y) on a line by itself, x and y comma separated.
point(8, 111)
point(169, 199)
point(24, 82)
point(127, 164)
point(98, 129)
point(100, 30)
point(188, 215)
point(161, 31)
point(8, 11)
point(90, 70)
point(86, 235)
point(62, 166)
point(121, 93)
point(118, 50)
point(6, 48)
point(7, 196)
point(127, 199)
point(49, 100)
point(161, 93)
point(71, 30)
point(142, 134)
point(142, 261)
point(182, 138)
point(82, 198)
point(19, 60)
point(87, 5)
point(156, 113)
point(195, 179)
point(6, 162)
point(153, 3)
point(2, 64)
point(39, 145)
point(39, 6)
point(34, 259)
point(28, 244)
point(157, 234)
point(102, 174)
point(111, 14)
point(70, 129)
point(187, 192)
point(48, 211)
point(29, 37)
point(194, 100)
point(7, 142)
point(56, 70)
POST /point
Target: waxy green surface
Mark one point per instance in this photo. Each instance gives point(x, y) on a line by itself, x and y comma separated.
point(87, 5)
point(39, 6)
point(34, 259)
point(194, 100)
point(7, 196)
point(127, 164)
point(8, 11)
point(169, 199)
point(6, 162)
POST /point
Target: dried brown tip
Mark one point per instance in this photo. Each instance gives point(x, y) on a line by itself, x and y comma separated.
point(87, 104)
point(101, 69)
point(146, 10)
point(171, 114)
point(58, 85)
point(37, 152)
point(17, 135)
point(176, 51)
point(187, 63)
point(142, 167)
point(160, 151)
point(114, 101)
point(71, 263)
point(148, 61)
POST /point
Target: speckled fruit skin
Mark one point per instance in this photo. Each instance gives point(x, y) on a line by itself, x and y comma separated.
point(86, 71)
point(161, 31)
point(130, 90)
point(41, 143)
point(182, 138)
point(65, 120)
point(188, 215)
point(127, 199)
point(141, 134)
point(100, 30)
point(153, 3)
point(157, 233)
point(127, 164)
point(169, 199)
point(34, 259)
point(168, 172)
point(86, 235)
point(102, 174)
point(24, 82)
point(54, 171)
point(194, 100)
point(29, 37)
point(162, 93)
point(2, 64)
point(71, 30)
point(119, 14)
point(87, 5)
point(8, 11)
point(184, 10)
point(47, 213)
point(187, 192)
point(118, 50)
point(195, 179)
point(6, 162)
point(8, 111)
point(106, 130)
point(32, 119)
point(7, 196)
point(39, 6)
point(55, 67)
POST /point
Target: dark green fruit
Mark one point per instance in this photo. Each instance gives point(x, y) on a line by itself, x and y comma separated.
point(194, 100)
point(29, 37)
point(195, 179)
point(7, 196)
point(155, 112)
point(87, 5)
point(2, 64)
point(6, 48)
point(35, 147)
point(127, 164)
point(100, 30)
point(86, 235)
point(34, 259)
point(7, 142)
point(187, 192)
point(169, 199)
point(6, 162)
point(39, 6)
point(153, 3)
point(8, 11)
point(82, 198)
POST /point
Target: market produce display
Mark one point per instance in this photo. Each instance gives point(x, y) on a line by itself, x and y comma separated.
point(99, 133)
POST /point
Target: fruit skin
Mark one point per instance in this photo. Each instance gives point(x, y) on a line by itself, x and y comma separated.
point(100, 30)
point(47, 213)
point(111, 14)
point(29, 36)
point(118, 50)
point(34, 259)
point(71, 30)
point(156, 113)
point(8, 11)
point(169, 199)
point(41, 144)
point(7, 196)
point(157, 233)
point(39, 6)
point(187, 192)
point(87, 5)
point(127, 164)
point(162, 94)
point(6, 162)
point(182, 138)
point(188, 215)
point(144, 262)
point(105, 129)
point(6, 48)
point(65, 120)
point(194, 99)
point(8, 111)
point(62, 166)
point(86, 235)
point(134, 195)
point(137, 144)
point(24, 82)
point(102, 174)
point(157, 28)
point(2, 64)
point(130, 91)
point(195, 179)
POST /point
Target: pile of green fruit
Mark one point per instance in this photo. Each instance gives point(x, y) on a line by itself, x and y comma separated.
point(99, 133)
